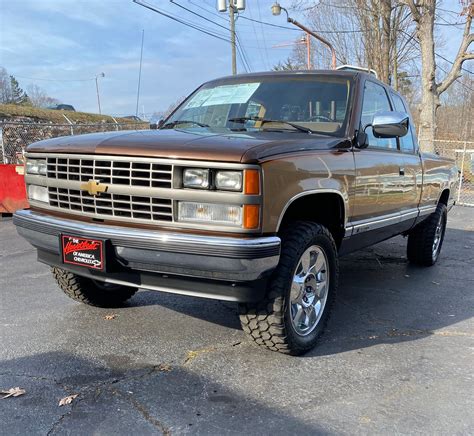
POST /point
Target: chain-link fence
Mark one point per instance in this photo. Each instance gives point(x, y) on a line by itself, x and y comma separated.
point(15, 136)
point(462, 152)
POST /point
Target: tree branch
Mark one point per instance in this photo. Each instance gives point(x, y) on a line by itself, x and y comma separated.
point(461, 56)
point(413, 8)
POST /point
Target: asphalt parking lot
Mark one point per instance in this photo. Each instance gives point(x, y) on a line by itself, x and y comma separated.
point(397, 357)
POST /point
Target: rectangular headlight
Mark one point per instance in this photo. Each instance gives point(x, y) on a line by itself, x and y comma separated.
point(36, 166)
point(211, 213)
point(38, 193)
point(196, 178)
point(229, 180)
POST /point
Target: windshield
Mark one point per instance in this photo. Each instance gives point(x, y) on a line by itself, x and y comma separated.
point(305, 104)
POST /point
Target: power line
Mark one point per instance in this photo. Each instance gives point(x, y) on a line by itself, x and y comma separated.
point(208, 11)
point(186, 23)
point(257, 39)
point(263, 34)
point(452, 63)
point(270, 24)
point(266, 23)
point(198, 15)
point(447, 60)
point(436, 54)
point(242, 55)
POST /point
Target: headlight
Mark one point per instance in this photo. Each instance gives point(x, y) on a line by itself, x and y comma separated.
point(196, 178)
point(207, 212)
point(229, 180)
point(38, 193)
point(36, 166)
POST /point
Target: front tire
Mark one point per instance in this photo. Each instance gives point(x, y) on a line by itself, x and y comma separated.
point(300, 293)
point(426, 239)
point(92, 292)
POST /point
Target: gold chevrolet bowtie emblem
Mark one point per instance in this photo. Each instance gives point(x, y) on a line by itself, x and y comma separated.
point(93, 187)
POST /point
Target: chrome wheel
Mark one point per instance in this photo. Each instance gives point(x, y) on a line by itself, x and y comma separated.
point(309, 290)
point(438, 237)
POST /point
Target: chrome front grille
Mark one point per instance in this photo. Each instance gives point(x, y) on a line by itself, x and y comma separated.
point(109, 171)
point(112, 205)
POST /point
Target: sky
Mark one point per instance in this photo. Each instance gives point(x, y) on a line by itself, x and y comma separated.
point(61, 45)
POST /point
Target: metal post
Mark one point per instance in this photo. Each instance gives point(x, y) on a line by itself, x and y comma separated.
point(97, 90)
point(70, 123)
point(2, 147)
point(232, 36)
point(116, 124)
point(308, 50)
point(140, 73)
point(319, 38)
point(461, 172)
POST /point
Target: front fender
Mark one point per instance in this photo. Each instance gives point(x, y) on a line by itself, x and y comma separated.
point(290, 178)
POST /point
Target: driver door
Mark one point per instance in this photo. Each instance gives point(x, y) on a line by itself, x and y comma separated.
point(379, 175)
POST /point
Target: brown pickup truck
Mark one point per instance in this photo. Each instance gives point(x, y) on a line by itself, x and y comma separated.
point(248, 192)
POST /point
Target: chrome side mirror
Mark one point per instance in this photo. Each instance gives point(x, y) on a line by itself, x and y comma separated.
point(387, 124)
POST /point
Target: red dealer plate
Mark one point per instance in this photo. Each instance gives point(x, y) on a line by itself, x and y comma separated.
point(84, 252)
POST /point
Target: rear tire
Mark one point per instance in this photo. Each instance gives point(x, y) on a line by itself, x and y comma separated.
point(300, 293)
point(92, 292)
point(426, 239)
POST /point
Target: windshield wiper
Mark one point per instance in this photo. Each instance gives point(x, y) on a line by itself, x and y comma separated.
point(175, 123)
point(264, 121)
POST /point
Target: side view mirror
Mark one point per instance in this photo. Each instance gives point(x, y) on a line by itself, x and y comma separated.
point(161, 122)
point(387, 124)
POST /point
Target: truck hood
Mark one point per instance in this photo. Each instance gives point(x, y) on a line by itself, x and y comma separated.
point(245, 147)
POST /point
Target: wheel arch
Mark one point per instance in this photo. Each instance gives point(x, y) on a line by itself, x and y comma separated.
point(332, 213)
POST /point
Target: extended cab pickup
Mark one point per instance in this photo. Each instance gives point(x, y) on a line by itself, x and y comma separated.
point(248, 192)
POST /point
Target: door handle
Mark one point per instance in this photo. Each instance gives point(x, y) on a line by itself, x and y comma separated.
point(401, 171)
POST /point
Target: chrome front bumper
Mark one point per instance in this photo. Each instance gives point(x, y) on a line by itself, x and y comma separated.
point(210, 266)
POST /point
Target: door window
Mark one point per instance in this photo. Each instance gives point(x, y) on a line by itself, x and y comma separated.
point(407, 143)
point(375, 99)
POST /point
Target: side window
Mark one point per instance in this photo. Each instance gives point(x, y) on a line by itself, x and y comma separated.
point(375, 99)
point(407, 142)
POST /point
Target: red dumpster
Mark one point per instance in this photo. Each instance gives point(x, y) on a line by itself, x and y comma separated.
point(12, 189)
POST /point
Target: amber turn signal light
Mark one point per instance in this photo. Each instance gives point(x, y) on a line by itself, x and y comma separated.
point(251, 216)
point(251, 182)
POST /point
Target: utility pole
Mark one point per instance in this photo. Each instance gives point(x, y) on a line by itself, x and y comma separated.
point(232, 37)
point(234, 7)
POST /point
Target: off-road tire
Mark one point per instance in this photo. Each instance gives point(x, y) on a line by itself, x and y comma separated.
point(268, 322)
point(91, 292)
point(422, 237)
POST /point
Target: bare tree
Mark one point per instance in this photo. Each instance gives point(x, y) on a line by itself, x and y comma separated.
point(371, 33)
point(39, 98)
point(423, 13)
point(5, 86)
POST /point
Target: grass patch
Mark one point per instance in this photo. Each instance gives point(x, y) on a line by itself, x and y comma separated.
point(9, 111)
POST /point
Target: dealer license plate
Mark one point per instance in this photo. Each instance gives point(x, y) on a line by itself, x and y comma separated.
point(89, 253)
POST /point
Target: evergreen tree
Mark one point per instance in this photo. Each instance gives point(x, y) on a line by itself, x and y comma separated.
point(18, 96)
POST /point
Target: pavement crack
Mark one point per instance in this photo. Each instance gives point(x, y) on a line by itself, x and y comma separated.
point(137, 405)
point(63, 416)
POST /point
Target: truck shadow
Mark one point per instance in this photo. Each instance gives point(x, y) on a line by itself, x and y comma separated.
point(381, 297)
point(142, 399)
